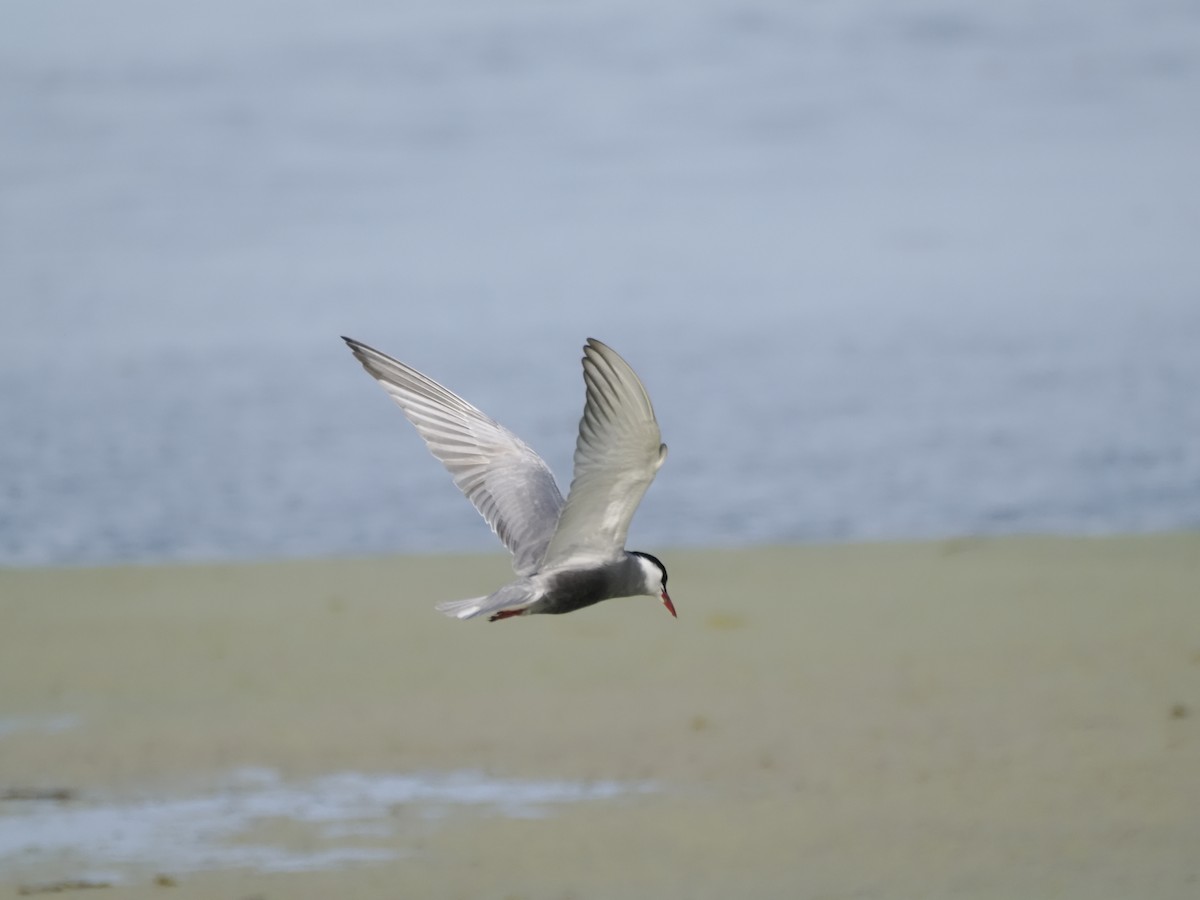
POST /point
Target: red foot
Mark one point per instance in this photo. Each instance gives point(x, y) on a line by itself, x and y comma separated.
point(506, 614)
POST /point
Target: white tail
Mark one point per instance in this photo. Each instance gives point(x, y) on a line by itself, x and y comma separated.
point(513, 596)
point(462, 609)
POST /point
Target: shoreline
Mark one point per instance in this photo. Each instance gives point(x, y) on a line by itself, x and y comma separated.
point(948, 543)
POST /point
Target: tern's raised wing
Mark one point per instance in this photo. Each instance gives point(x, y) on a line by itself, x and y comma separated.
point(616, 456)
point(510, 485)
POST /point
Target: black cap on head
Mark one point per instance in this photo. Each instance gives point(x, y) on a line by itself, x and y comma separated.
point(656, 561)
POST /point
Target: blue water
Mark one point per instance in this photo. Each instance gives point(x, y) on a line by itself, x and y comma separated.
point(887, 272)
point(350, 817)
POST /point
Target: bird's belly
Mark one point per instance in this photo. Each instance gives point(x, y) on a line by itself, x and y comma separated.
point(569, 591)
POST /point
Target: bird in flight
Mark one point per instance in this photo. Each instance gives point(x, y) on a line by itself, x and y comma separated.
point(567, 554)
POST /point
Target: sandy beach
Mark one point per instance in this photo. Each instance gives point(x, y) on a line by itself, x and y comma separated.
point(970, 718)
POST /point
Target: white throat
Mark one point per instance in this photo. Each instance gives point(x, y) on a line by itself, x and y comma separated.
point(651, 576)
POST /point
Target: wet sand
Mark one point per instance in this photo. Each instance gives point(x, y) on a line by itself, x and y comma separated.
point(984, 719)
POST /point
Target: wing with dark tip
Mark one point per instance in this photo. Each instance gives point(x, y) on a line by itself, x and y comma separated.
point(617, 454)
point(510, 485)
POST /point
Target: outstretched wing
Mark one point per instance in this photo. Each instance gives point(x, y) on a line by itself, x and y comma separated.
point(616, 456)
point(510, 485)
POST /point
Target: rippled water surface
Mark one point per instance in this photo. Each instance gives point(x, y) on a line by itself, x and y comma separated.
point(887, 272)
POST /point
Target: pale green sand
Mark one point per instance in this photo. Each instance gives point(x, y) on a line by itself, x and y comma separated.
point(1003, 719)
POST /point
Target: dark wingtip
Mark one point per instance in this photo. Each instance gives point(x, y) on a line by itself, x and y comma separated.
point(358, 348)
